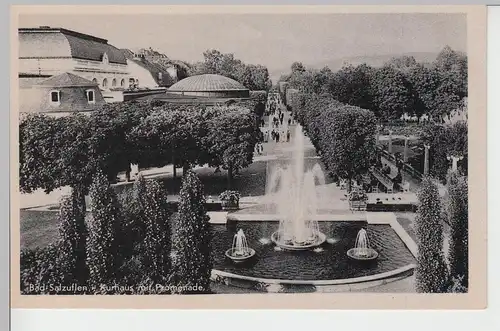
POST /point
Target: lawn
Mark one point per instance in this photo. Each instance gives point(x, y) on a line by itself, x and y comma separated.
point(38, 228)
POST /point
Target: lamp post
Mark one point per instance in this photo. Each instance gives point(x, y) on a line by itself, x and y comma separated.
point(405, 152)
point(454, 162)
point(426, 159)
point(390, 142)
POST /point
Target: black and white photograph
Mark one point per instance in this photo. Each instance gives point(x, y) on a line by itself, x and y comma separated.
point(242, 153)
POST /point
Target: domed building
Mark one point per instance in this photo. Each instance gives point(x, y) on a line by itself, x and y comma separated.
point(210, 86)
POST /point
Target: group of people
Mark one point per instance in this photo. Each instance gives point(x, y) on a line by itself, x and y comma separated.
point(259, 148)
point(277, 130)
point(280, 135)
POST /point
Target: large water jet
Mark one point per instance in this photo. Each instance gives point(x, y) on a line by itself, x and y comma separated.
point(293, 192)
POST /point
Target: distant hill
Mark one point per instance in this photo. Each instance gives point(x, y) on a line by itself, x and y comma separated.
point(372, 60)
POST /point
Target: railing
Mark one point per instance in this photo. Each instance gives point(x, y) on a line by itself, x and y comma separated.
point(406, 167)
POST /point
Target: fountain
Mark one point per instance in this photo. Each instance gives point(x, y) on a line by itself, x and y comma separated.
point(362, 250)
point(240, 252)
point(293, 192)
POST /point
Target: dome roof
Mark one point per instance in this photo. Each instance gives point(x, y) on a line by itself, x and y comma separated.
point(207, 82)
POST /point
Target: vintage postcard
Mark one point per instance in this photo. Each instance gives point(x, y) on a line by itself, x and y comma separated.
point(257, 157)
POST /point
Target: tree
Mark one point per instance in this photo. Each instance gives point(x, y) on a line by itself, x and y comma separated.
point(403, 63)
point(458, 214)
point(191, 250)
point(67, 151)
point(347, 140)
point(254, 77)
point(103, 246)
point(260, 75)
point(73, 234)
point(446, 140)
point(133, 225)
point(392, 93)
point(297, 67)
point(54, 152)
point(452, 69)
point(231, 139)
point(424, 82)
point(156, 244)
point(171, 135)
point(353, 86)
point(37, 134)
point(431, 271)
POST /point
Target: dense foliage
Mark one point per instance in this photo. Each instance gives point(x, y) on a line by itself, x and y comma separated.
point(104, 230)
point(127, 250)
point(431, 271)
point(458, 219)
point(444, 141)
point(73, 234)
point(253, 77)
point(400, 86)
point(231, 139)
point(56, 152)
point(191, 257)
point(343, 135)
point(156, 259)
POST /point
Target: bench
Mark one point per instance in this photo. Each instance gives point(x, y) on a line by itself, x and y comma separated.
point(383, 179)
point(357, 205)
point(405, 186)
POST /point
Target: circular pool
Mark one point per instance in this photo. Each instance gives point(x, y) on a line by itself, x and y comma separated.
point(328, 261)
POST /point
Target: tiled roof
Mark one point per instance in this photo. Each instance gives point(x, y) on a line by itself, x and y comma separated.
point(67, 80)
point(153, 68)
point(57, 42)
point(207, 82)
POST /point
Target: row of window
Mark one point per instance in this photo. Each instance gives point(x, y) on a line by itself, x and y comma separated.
point(114, 82)
point(55, 97)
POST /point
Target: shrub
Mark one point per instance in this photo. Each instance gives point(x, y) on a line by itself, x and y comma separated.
point(156, 246)
point(431, 271)
point(458, 214)
point(230, 196)
point(133, 225)
point(191, 258)
point(259, 96)
point(456, 285)
point(73, 233)
point(44, 270)
point(103, 247)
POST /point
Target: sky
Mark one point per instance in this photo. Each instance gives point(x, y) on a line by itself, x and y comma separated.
point(273, 40)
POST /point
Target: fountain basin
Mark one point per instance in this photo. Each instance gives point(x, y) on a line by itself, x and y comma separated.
point(362, 254)
point(291, 246)
point(238, 256)
point(306, 266)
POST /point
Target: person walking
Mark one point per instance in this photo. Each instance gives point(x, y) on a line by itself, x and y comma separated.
point(288, 136)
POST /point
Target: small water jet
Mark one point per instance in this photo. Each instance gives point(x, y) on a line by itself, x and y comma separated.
point(265, 241)
point(332, 241)
point(362, 250)
point(240, 252)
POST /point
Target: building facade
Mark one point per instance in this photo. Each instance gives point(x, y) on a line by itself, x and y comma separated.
point(58, 95)
point(52, 51)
